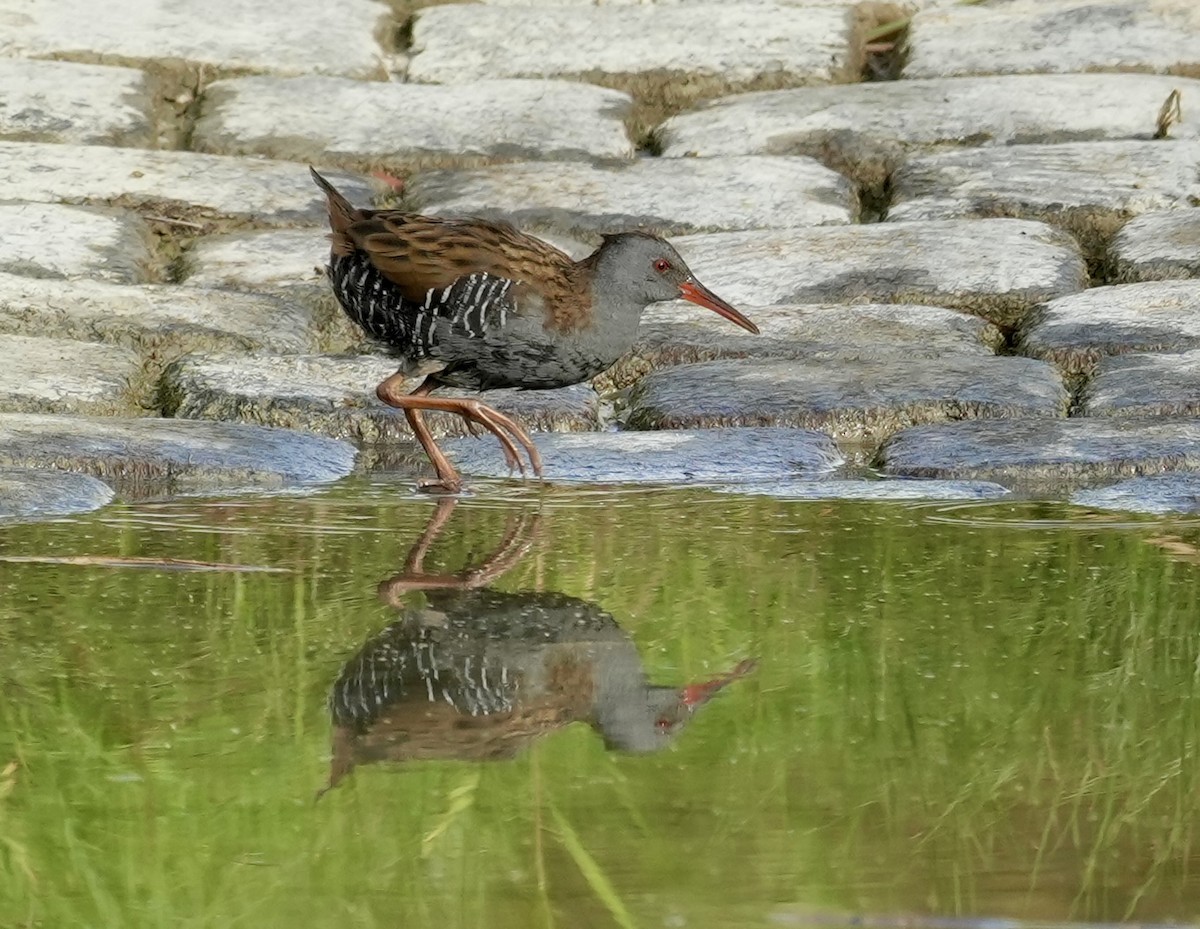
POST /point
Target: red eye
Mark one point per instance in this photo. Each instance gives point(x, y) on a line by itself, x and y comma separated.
point(662, 265)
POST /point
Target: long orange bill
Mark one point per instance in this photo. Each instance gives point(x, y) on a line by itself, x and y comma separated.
point(695, 292)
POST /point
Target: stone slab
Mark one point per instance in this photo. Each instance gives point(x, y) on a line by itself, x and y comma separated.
point(1089, 188)
point(997, 268)
point(306, 119)
point(681, 333)
point(1056, 36)
point(680, 456)
point(80, 104)
point(1158, 247)
point(169, 183)
point(31, 493)
point(258, 260)
point(867, 130)
point(1144, 385)
point(883, 491)
point(54, 241)
point(40, 375)
point(1159, 494)
point(335, 396)
point(301, 37)
point(159, 322)
point(1078, 330)
point(1044, 450)
point(864, 399)
point(178, 456)
point(459, 42)
point(667, 196)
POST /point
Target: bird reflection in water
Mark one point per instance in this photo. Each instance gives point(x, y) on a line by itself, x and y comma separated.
point(480, 674)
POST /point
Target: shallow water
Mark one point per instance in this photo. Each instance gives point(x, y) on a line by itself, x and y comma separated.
point(957, 711)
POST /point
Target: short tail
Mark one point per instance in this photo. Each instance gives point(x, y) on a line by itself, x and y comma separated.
point(341, 214)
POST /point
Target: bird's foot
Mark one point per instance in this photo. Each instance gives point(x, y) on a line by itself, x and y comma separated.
point(441, 485)
point(506, 431)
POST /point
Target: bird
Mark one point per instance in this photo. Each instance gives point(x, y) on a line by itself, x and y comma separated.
point(477, 304)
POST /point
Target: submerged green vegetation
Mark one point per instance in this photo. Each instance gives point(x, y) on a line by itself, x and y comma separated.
point(958, 710)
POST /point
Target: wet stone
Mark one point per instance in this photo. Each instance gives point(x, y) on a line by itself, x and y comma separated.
point(997, 268)
point(1144, 385)
point(168, 182)
point(1159, 493)
point(681, 333)
point(1090, 188)
point(140, 456)
point(53, 241)
point(868, 130)
point(680, 456)
point(668, 196)
point(863, 399)
point(1077, 330)
point(81, 104)
point(886, 490)
point(335, 396)
point(1158, 247)
point(159, 322)
point(1049, 36)
point(305, 119)
point(455, 43)
point(30, 493)
point(1040, 451)
point(40, 375)
point(301, 37)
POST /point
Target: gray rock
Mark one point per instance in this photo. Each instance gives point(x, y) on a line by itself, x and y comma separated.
point(1043, 450)
point(139, 456)
point(259, 260)
point(1159, 493)
point(335, 396)
point(304, 36)
point(40, 375)
point(683, 456)
point(1056, 36)
point(1089, 188)
point(668, 196)
point(29, 493)
point(870, 490)
point(868, 130)
point(48, 240)
point(646, 46)
point(168, 182)
point(997, 268)
point(415, 124)
point(864, 399)
point(1158, 247)
point(681, 333)
point(1076, 331)
point(1144, 385)
point(80, 104)
point(159, 322)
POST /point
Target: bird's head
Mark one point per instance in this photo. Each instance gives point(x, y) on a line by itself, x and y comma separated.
point(648, 267)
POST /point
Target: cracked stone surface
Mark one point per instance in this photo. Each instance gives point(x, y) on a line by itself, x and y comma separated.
point(169, 182)
point(1158, 247)
point(997, 269)
point(140, 456)
point(868, 130)
point(41, 375)
point(1043, 450)
point(1078, 330)
point(460, 42)
point(668, 196)
point(304, 119)
point(81, 104)
point(861, 399)
point(335, 396)
point(1144, 385)
point(53, 241)
point(305, 36)
point(30, 493)
point(1159, 494)
point(681, 456)
point(1052, 36)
